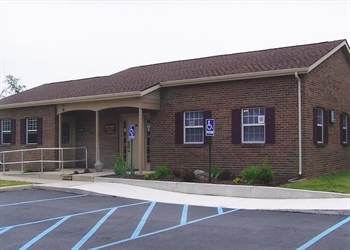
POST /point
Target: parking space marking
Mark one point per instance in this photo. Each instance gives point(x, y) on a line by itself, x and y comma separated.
point(143, 221)
point(162, 230)
point(184, 215)
point(51, 199)
point(220, 211)
point(324, 233)
point(94, 229)
point(4, 229)
point(35, 239)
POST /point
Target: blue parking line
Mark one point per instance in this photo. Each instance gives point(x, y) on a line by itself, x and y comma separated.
point(324, 233)
point(51, 199)
point(71, 215)
point(143, 221)
point(220, 211)
point(34, 240)
point(94, 229)
point(163, 230)
point(184, 215)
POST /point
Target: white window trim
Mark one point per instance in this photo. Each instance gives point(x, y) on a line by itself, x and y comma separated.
point(3, 131)
point(31, 130)
point(320, 124)
point(195, 126)
point(253, 125)
point(345, 128)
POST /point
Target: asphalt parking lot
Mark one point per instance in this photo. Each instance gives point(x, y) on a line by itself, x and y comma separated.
point(42, 219)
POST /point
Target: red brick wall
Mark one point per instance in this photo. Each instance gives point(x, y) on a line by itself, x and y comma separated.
point(221, 99)
point(328, 87)
point(49, 135)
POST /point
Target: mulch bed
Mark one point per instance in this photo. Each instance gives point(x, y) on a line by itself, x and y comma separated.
point(277, 182)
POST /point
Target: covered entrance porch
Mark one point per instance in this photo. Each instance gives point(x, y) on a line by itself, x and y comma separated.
point(101, 126)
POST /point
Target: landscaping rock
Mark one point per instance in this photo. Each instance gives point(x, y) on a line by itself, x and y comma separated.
point(201, 175)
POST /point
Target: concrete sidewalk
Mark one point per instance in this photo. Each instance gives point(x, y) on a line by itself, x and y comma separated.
point(319, 205)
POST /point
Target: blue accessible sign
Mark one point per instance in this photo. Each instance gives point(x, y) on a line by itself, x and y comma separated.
point(209, 127)
point(131, 132)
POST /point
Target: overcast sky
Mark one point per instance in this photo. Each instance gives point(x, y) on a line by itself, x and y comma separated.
point(51, 41)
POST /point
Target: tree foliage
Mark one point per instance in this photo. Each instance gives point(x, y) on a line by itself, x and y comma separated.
point(13, 86)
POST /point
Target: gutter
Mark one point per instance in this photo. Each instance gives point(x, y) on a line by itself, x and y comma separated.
point(299, 123)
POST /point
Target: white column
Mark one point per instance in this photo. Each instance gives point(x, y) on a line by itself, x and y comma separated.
point(141, 147)
point(98, 164)
point(60, 139)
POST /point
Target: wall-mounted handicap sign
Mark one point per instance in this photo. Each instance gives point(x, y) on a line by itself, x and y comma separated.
point(209, 127)
point(132, 133)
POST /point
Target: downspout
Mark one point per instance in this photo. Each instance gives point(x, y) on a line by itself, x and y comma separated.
point(299, 123)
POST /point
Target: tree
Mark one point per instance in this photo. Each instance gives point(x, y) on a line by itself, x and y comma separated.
point(13, 86)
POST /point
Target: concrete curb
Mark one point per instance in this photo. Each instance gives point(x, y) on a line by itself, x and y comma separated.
point(240, 191)
point(17, 187)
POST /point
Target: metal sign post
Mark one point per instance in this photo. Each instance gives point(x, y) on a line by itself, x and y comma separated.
point(210, 131)
point(132, 136)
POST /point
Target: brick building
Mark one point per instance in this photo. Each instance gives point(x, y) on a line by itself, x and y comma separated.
point(290, 104)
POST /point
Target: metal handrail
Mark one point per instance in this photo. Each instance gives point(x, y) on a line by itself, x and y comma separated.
point(42, 161)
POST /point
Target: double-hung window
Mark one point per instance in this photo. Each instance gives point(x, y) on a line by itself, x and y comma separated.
point(6, 131)
point(32, 130)
point(319, 125)
point(344, 129)
point(193, 127)
point(253, 124)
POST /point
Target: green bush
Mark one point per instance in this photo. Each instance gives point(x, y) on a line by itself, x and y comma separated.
point(215, 172)
point(162, 173)
point(120, 167)
point(258, 174)
point(250, 175)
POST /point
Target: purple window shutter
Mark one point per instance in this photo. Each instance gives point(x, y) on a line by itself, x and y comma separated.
point(206, 115)
point(341, 117)
point(315, 125)
point(179, 131)
point(40, 131)
point(325, 125)
point(0, 130)
point(236, 126)
point(270, 125)
point(13, 131)
point(23, 131)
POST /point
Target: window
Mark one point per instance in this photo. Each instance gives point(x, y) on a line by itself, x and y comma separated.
point(253, 123)
point(320, 122)
point(6, 131)
point(31, 131)
point(189, 127)
point(344, 126)
point(319, 125)
point(193, 124)
point(65, 133)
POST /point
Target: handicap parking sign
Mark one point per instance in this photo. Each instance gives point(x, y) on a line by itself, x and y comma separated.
point(209, 127)
point(132, 133)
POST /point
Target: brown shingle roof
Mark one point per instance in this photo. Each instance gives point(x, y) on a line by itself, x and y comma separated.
point(144, 77)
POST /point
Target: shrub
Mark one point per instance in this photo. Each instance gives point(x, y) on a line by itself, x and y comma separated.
point(176, 172)
point(188, 176)
point(255, 174)
point(162, 172)
point(225, 175)
point(215, 172)
point(120, 168)
point(237, 180)
point(148, 177)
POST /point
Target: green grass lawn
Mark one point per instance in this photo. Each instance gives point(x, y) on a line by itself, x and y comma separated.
point(339, 183)
point(4, 183)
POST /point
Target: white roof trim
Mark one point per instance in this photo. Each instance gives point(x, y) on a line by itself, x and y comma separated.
point(326, 56)
point(73, 100)
point(231, 77)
